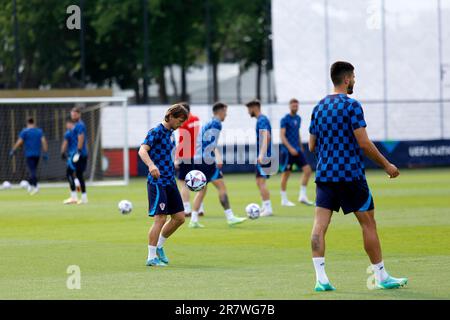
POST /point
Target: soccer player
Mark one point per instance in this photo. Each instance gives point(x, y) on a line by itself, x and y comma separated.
point(163, 195)
point(34, 141)
point(292, 153)
point(208, 160)
point(80, 157)
point(70, 146)
point(339, 138)
point(185, 155)
point(263, 153)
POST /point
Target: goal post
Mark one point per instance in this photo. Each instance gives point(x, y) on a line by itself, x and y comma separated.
point(106, 166)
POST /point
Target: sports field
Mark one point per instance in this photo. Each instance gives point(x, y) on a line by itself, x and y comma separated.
point(267, 258)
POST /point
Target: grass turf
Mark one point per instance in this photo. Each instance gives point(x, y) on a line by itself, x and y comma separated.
point(267, 258)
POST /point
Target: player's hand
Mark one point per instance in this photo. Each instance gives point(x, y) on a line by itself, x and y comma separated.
point(392, 171)
point(219, 165)
point(293, 152)
point(12, 152)
point(63, 156)
point(154, 171)
point(177, 164)
point(76, 157)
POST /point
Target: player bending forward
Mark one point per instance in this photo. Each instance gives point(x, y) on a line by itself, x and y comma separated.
point(205, 161)
point(338, 136)
point(163, 195)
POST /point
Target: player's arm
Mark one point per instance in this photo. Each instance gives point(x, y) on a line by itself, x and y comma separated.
point(371, 151)
point(143, 153)
point(312, 143)
point(81, 138)
point(265, 138)
point(44, 144)
point(286, 143)
point(16, 146)
point(63, 149)
point(219, 160)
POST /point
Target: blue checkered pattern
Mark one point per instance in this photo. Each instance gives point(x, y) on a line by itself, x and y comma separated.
point(162, 150)
point(338, 153)
point(207, 142)
point(292, 126)
point(263, 123)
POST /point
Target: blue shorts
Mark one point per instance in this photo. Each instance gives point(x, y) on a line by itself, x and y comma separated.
point(185, 168)
point(350, 196)
point(210, 171)
point(263, 170)
point(287, 160)
point(163, 199)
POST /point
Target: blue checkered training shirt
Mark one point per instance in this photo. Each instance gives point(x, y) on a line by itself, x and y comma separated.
point(339, 157)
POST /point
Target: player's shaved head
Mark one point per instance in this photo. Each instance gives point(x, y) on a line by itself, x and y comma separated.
point(253, 103)
point(219, 106)
point(339, 70)
point(343, 73)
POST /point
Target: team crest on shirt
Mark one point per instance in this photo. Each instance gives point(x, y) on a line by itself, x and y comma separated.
point(162, 205)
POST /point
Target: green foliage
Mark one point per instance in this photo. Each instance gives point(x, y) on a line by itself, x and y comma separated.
point(114, 43)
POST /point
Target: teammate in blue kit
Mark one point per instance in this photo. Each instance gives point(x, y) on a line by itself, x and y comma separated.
point(80, 157)
point(263, 153)
point(291, 152)
point(339, 138)
point(208, 160)
point(68, 149)
point(157, 152)
point(34, 141)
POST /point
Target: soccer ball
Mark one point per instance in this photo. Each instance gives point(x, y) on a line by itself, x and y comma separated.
point(125, 206)
point(24, 184)
point(195, 180)
point(252, 210)
point(6, 185)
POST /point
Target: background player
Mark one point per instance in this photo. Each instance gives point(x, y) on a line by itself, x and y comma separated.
point(208, 160)
point(340, 175)
point(292, 152)
point(263, 153)
point(80, 157)
point(34, 141)
point(163, 195)
point(68, 149)
point(185, 155)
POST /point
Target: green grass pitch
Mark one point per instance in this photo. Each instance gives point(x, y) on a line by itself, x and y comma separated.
point(267, 258)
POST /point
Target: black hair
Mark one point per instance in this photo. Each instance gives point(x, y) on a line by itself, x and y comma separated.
point(30, 120)
point(254, 102)
point(218, 106)
point(339, 70)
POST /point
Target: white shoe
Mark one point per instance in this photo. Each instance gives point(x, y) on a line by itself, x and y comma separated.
point(287, 203)
point(70, 201)
point(82, 201)
point(33, 191)
point(265, 213)
point(305, 200)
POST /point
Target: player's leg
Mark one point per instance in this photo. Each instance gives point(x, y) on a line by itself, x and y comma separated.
point(198, 200)
point(301, 162)
point(285, 169)
point(224, 201)
point(173, 204)
point(372, 247)
point(158, 209)
point(321, 222)
point(32, 163)
point(80, 167)
point(73, 199)
point(185, 194)
point(265, 196)
point(153, 237)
